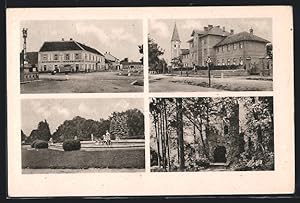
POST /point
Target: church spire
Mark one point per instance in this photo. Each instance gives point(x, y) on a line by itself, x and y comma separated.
point(175, 35)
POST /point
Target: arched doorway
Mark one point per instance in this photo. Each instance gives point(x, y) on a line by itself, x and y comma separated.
point(220, 154)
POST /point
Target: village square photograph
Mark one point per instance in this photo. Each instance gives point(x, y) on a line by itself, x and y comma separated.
point(82, 135)
point(199, 55)
point(212, 134)
point(82, 56)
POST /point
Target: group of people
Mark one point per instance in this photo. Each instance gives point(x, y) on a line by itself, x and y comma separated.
point(106, 139)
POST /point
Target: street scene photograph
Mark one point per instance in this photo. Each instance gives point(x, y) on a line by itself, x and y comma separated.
point(199, 55)
point(82, 56)
point(82, 135)
point(212, 134)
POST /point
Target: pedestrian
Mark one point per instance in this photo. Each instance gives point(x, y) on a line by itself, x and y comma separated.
point(108, 137)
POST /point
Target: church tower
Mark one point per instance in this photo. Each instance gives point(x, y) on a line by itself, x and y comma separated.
point(175, 43)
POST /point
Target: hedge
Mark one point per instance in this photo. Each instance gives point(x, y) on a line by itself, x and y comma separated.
point(215, 67)
point(33, 143)
point(71, 145)
point(39, 144)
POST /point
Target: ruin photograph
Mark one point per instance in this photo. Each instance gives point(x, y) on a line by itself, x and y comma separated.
point(210, 55)
point(212, 134)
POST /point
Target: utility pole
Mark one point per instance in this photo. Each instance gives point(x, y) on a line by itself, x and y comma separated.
point(24, 31)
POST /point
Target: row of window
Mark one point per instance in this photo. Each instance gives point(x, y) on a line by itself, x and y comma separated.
point(228, 47)
point(77, 56)
point(229, 61)
point(56, 67)
point(203, 41)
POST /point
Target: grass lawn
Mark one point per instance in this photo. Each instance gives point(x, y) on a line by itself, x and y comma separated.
point(97, 82)
point(159, 83)
point(54, 159)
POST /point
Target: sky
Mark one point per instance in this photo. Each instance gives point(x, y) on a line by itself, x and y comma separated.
point(161, 30)
point(119, 37)
point(56, 111)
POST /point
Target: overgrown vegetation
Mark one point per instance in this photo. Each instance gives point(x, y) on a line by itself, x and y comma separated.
point(187, 131)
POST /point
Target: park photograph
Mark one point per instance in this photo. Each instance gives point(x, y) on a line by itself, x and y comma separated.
point(82, 135)
point(201, 134)
point(81, 56)
point(204, 55)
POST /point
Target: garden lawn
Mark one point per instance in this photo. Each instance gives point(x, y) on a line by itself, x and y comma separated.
point(47, 158)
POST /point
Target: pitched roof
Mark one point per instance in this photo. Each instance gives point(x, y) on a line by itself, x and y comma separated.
point(67, 45)
point(190, 40)
point(185, 51)
point(90, 49)
point(242, 36)
point(216, 30)
point(200, 32)
point(175, 35)
point(110, 57)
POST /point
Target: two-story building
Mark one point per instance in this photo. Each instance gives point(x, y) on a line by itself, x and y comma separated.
point(202, 43)
point(223, 47)
point(70, 56)
point(242, 49)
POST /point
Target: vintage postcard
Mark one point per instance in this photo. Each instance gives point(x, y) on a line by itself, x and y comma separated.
point(138, 101)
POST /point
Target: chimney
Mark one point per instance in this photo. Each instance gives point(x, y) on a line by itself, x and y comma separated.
point(71, 39)
point(251, 31)
point(205, 28)
point(62, 39)
point(232, 31)
point(210, 26)
point(223, 28)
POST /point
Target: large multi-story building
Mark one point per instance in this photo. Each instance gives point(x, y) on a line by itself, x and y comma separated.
point(69, 56)
point(223, 47)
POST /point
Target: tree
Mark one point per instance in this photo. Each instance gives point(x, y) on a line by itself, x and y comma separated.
point(135, 122)
point(269, 48)
point(23, 136)
point(118, 125)
point(81, 128)
point(177, 62)
point(104, 125)
point(42, 132)
point(179, 118)
point(154, 52)
point(141, 52)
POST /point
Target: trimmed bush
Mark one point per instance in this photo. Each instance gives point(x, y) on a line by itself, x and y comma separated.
point(40, 144)
point(71, 145)
point(33, 143)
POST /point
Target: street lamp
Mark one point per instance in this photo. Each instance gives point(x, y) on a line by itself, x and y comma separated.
point(209, 64)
